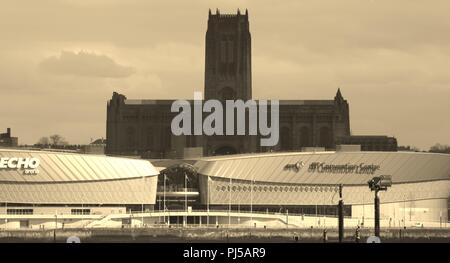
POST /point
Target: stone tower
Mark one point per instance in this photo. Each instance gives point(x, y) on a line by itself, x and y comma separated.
point(228, 72)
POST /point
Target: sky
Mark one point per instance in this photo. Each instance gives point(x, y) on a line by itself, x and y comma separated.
point(61, 60)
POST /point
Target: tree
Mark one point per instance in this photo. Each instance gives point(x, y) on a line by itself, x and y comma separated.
point(408, 148)
point(44, 141)
point(57, 140)
point(440, 148)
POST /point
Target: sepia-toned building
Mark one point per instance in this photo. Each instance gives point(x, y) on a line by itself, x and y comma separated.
point(48, 189)
point(45, 180)
point(307, 183)
point(370, 143)
point(6, 140)
point(142, 127)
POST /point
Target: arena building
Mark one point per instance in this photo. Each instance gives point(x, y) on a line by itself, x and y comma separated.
point(35, 185)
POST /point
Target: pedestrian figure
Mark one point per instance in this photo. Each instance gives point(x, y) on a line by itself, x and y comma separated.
point(325, 236)
point(357, 234)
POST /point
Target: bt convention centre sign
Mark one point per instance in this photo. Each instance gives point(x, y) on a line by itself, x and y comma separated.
point(322, 167)
point(361, 168)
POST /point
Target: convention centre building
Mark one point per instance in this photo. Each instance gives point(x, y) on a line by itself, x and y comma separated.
point(308, 183)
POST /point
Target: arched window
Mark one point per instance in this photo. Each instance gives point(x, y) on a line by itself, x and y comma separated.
point(305, 137)
point(167, 138)
point(131, 137)
point(285, 139)
point(325, 137)
point(149, 138)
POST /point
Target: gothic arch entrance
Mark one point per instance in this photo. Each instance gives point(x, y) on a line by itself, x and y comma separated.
point(305, 136)
point(325, 137)
point(285, 139)
point(227, 93)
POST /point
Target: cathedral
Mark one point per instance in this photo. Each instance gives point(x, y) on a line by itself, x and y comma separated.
point(143, 127)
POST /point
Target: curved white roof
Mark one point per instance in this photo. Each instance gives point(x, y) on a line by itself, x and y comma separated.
point(271, 167)
point(60, 167)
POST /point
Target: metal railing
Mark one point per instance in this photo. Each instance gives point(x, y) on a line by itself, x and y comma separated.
point(172, 189)
point(235, 211)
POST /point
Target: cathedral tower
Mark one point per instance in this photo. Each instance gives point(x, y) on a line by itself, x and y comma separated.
point(228, 73)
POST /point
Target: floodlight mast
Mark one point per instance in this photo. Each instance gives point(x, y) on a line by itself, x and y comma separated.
point(341, 215)
point(376, 184)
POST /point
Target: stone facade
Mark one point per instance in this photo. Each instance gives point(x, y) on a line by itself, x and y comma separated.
point(6, 140)
point(370, 143)
point(142, 127)
point(228, 57)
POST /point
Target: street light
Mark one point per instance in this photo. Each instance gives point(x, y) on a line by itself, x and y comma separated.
point(251, 200)
point(207, 202)
point(185, 198)
point(376, 184)
point(143, 201)
point(341, 215)
point(164, 198)
point(229, 204)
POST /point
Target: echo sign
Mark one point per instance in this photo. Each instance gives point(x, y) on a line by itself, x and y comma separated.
point(28, 164)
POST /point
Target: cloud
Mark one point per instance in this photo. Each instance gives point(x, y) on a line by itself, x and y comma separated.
point(85, 64)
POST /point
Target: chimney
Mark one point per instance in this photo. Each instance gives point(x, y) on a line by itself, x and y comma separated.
point(8, 131)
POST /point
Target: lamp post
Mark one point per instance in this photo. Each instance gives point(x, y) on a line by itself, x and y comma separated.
point(251, 200)
point(56, 227)
point(376, 184)
point(143, 196)
point(364, 212)
point(229, 204)
point(251, 197)
point(185, 199)
point(164, 198)
point(341, 215)
point(207, 202)
point(6, 215)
